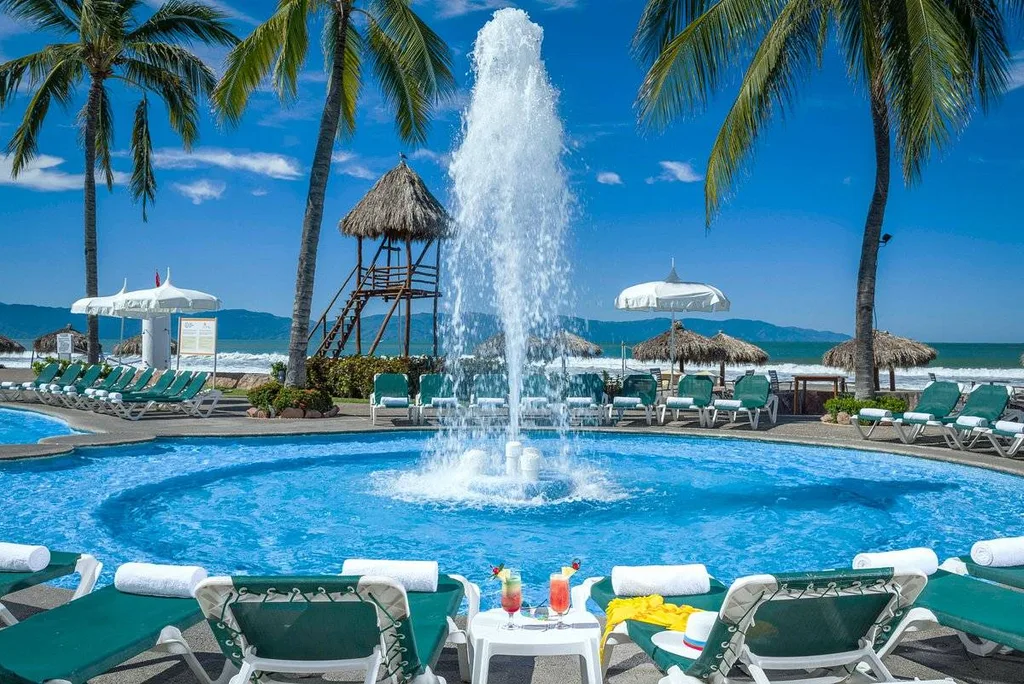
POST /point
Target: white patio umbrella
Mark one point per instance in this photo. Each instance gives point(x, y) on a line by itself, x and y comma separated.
point(164, 300)
point(105, 306)
point(673, 295)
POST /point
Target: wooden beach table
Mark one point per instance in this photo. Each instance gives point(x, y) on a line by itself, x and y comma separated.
point(838, 384)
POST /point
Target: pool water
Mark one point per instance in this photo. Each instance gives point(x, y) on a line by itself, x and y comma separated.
point(28, 427)
point(304, 504)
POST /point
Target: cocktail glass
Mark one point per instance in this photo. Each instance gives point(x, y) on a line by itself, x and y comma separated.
point(512, 596)
point(558, 597)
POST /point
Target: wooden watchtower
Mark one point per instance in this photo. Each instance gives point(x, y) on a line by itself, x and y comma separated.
point(407, 223)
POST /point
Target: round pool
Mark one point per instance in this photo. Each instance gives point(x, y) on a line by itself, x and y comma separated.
point(28, 427)
point(304, 504)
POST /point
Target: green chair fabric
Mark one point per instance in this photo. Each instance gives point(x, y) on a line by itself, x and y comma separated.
point(430, 613)
point(142, 380)
point(938, 399)
point(69, 376)
point(90, 376)
point(986, 401)
point(174, 385)
point(194, 387)
point(752, 391)
point(436, 386)
point(47, 374)
point(390, 385)
point(536, 385)
point(127, 375)
point(1009, 576)
point(697, 387)
point(490, 386)
point(980, 608)
point(87, 637)
point(589, 385)
point(643, 386)
point(61, 564)
point(113, 377)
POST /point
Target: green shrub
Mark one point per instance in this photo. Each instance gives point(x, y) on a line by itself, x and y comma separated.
point(305, 399)
point(848, 404)
point(351, 377)
point(39, 364)
point(262, 396)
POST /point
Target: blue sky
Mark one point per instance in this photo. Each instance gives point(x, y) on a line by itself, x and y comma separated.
point(785, 248)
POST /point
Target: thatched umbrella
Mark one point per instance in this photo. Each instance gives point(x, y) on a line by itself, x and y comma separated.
point(541, 349)
point(398, 206)
point(47, 344)
point(733, 350)
point(133, 347)
point(9, 346)
point(689, 346)
point(891, 352)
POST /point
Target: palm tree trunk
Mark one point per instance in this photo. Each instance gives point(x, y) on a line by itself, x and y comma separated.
point(318, 177)
point(864, 361)
point(91, 277)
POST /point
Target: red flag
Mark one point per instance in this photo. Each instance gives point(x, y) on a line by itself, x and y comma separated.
point(158, 278)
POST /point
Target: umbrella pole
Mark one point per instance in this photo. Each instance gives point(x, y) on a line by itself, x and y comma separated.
point(721, 372)
point(892, 379)
point(120, 344)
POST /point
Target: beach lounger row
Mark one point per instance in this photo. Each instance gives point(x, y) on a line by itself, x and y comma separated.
point(983, 418)
point(394, 618)
point(125, 392)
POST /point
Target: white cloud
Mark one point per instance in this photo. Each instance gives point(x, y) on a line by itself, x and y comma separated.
point(262, 163)
point(677, 172)
point(1015, 78)
point(201, 190)
point(609, 178)
point(341, 156)
point(456, 8)
point(43, 174)
point(349, 165)
point(559, 4)
point(439, 158)
point(259, 192)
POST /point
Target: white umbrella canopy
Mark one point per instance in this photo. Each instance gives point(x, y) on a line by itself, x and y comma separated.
point(163, 301)
point(103, 306)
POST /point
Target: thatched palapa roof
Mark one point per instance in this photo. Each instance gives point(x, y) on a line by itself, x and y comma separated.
point(133, 347)
point(398, 206)
point(890, 352)
point(689, 347)
point(539, 349)
point(733, 350)
point(47, 344)
point(9, 346)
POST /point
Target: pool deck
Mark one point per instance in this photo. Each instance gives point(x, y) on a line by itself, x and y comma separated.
point(933, 654)
point(230, 421)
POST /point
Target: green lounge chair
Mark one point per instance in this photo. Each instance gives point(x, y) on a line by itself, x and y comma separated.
point(1006, 437)
point(1010, 576)
point(107, 403)
point(88, 401)
point(585, 399)
point(694, 394)
point(937, 400)
point(437, 393)
point(325, 623)
point(189, 400)
point(639, 393)
point(140, 382)
point(61, 565)
point(71, 394)
point(88, 636)
point(489, 396)
point(69, 375)
point(985, 404)
point(821, 624)
point(12, 390)
point(535, 399)
point(390, 391)
point(751, 395)
point(105, 386)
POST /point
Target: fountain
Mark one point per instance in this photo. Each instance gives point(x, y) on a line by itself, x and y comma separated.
point(506, 255)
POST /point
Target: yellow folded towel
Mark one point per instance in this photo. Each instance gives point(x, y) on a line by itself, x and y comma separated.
point(650, 609)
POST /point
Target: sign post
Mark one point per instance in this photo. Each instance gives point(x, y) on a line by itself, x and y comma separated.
point(198, 337)
point(65, 346)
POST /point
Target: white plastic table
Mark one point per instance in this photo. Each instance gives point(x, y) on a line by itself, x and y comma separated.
point(535, 638)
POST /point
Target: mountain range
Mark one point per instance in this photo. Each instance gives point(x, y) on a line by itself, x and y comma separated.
point(26, 322)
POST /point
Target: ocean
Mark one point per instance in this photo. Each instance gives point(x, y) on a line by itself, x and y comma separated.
point(956, 361)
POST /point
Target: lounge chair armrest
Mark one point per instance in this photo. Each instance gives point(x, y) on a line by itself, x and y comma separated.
point(472, 596)
point(581, 593)
point(88, 569)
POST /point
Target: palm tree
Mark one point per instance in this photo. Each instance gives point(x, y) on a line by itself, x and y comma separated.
point(411, 63)
point(922, 63)
point(111, 45)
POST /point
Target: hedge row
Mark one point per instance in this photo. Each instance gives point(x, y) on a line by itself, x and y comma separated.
point(352, 376)
point(851, 406)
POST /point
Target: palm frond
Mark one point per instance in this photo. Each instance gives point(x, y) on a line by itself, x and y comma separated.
point(398, 86)
point(56, 15)
point(105, 137)
point(985, 33)
point(99, 18)
point(185, 20)
point(661, 21)
point(787, 52)
point(427, 57)
point(143, 181)
point(182, 109)
point(36, 66)
point(691, 65)
point(248, 65)
point(177, 60)
point(294, 47)
point(57, 85)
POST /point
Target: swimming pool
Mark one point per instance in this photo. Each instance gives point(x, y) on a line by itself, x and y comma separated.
point(28, 427)
point(303, 504)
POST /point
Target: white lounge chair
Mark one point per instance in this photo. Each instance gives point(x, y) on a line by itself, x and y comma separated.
point(752, 395)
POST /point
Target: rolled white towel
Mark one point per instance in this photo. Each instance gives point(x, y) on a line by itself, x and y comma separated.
point(666, 580)
point(971, 422)
point(1009, 426)
point(413, 575)
point(626, 402)
point(999, 553)
point(534, 401)
point(438, 402)
point(394, 402)
point(7, 385)
point(876, 413)
point(911, 415)
point(115, 396)
point(728, 404)
point(100, 393)
point(149, 579)
point(679, 402)
point(921, 558)
point(579, 402)
point(23, 557)
point(490, 401)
